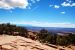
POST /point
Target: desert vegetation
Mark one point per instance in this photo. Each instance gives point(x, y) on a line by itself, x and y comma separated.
point(11, 29)
point(51, 38)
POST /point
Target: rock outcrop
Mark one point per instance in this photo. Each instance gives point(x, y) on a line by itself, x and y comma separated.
point(21, 43)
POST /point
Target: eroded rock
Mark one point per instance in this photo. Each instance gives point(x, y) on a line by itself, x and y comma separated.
point(21, 43)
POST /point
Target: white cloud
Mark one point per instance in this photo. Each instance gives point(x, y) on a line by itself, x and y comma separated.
point(73, 4)
point(63, 12)
point(12, 4)
point(68, 4)
point(65, 4)
point(56, 6)
point(47, 24)
point(50, 5)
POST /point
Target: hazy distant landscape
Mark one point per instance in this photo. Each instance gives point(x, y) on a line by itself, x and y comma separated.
point(52, 29)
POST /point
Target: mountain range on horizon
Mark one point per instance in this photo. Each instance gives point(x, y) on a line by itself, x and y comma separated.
point(28, 25)
point(51, 29)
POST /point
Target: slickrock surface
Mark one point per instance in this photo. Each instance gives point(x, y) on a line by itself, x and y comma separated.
point(21, 43)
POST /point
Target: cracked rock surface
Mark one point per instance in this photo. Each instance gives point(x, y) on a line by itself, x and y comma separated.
point(21, 43)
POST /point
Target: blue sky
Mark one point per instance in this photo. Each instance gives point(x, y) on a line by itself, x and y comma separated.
point(44, 13)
